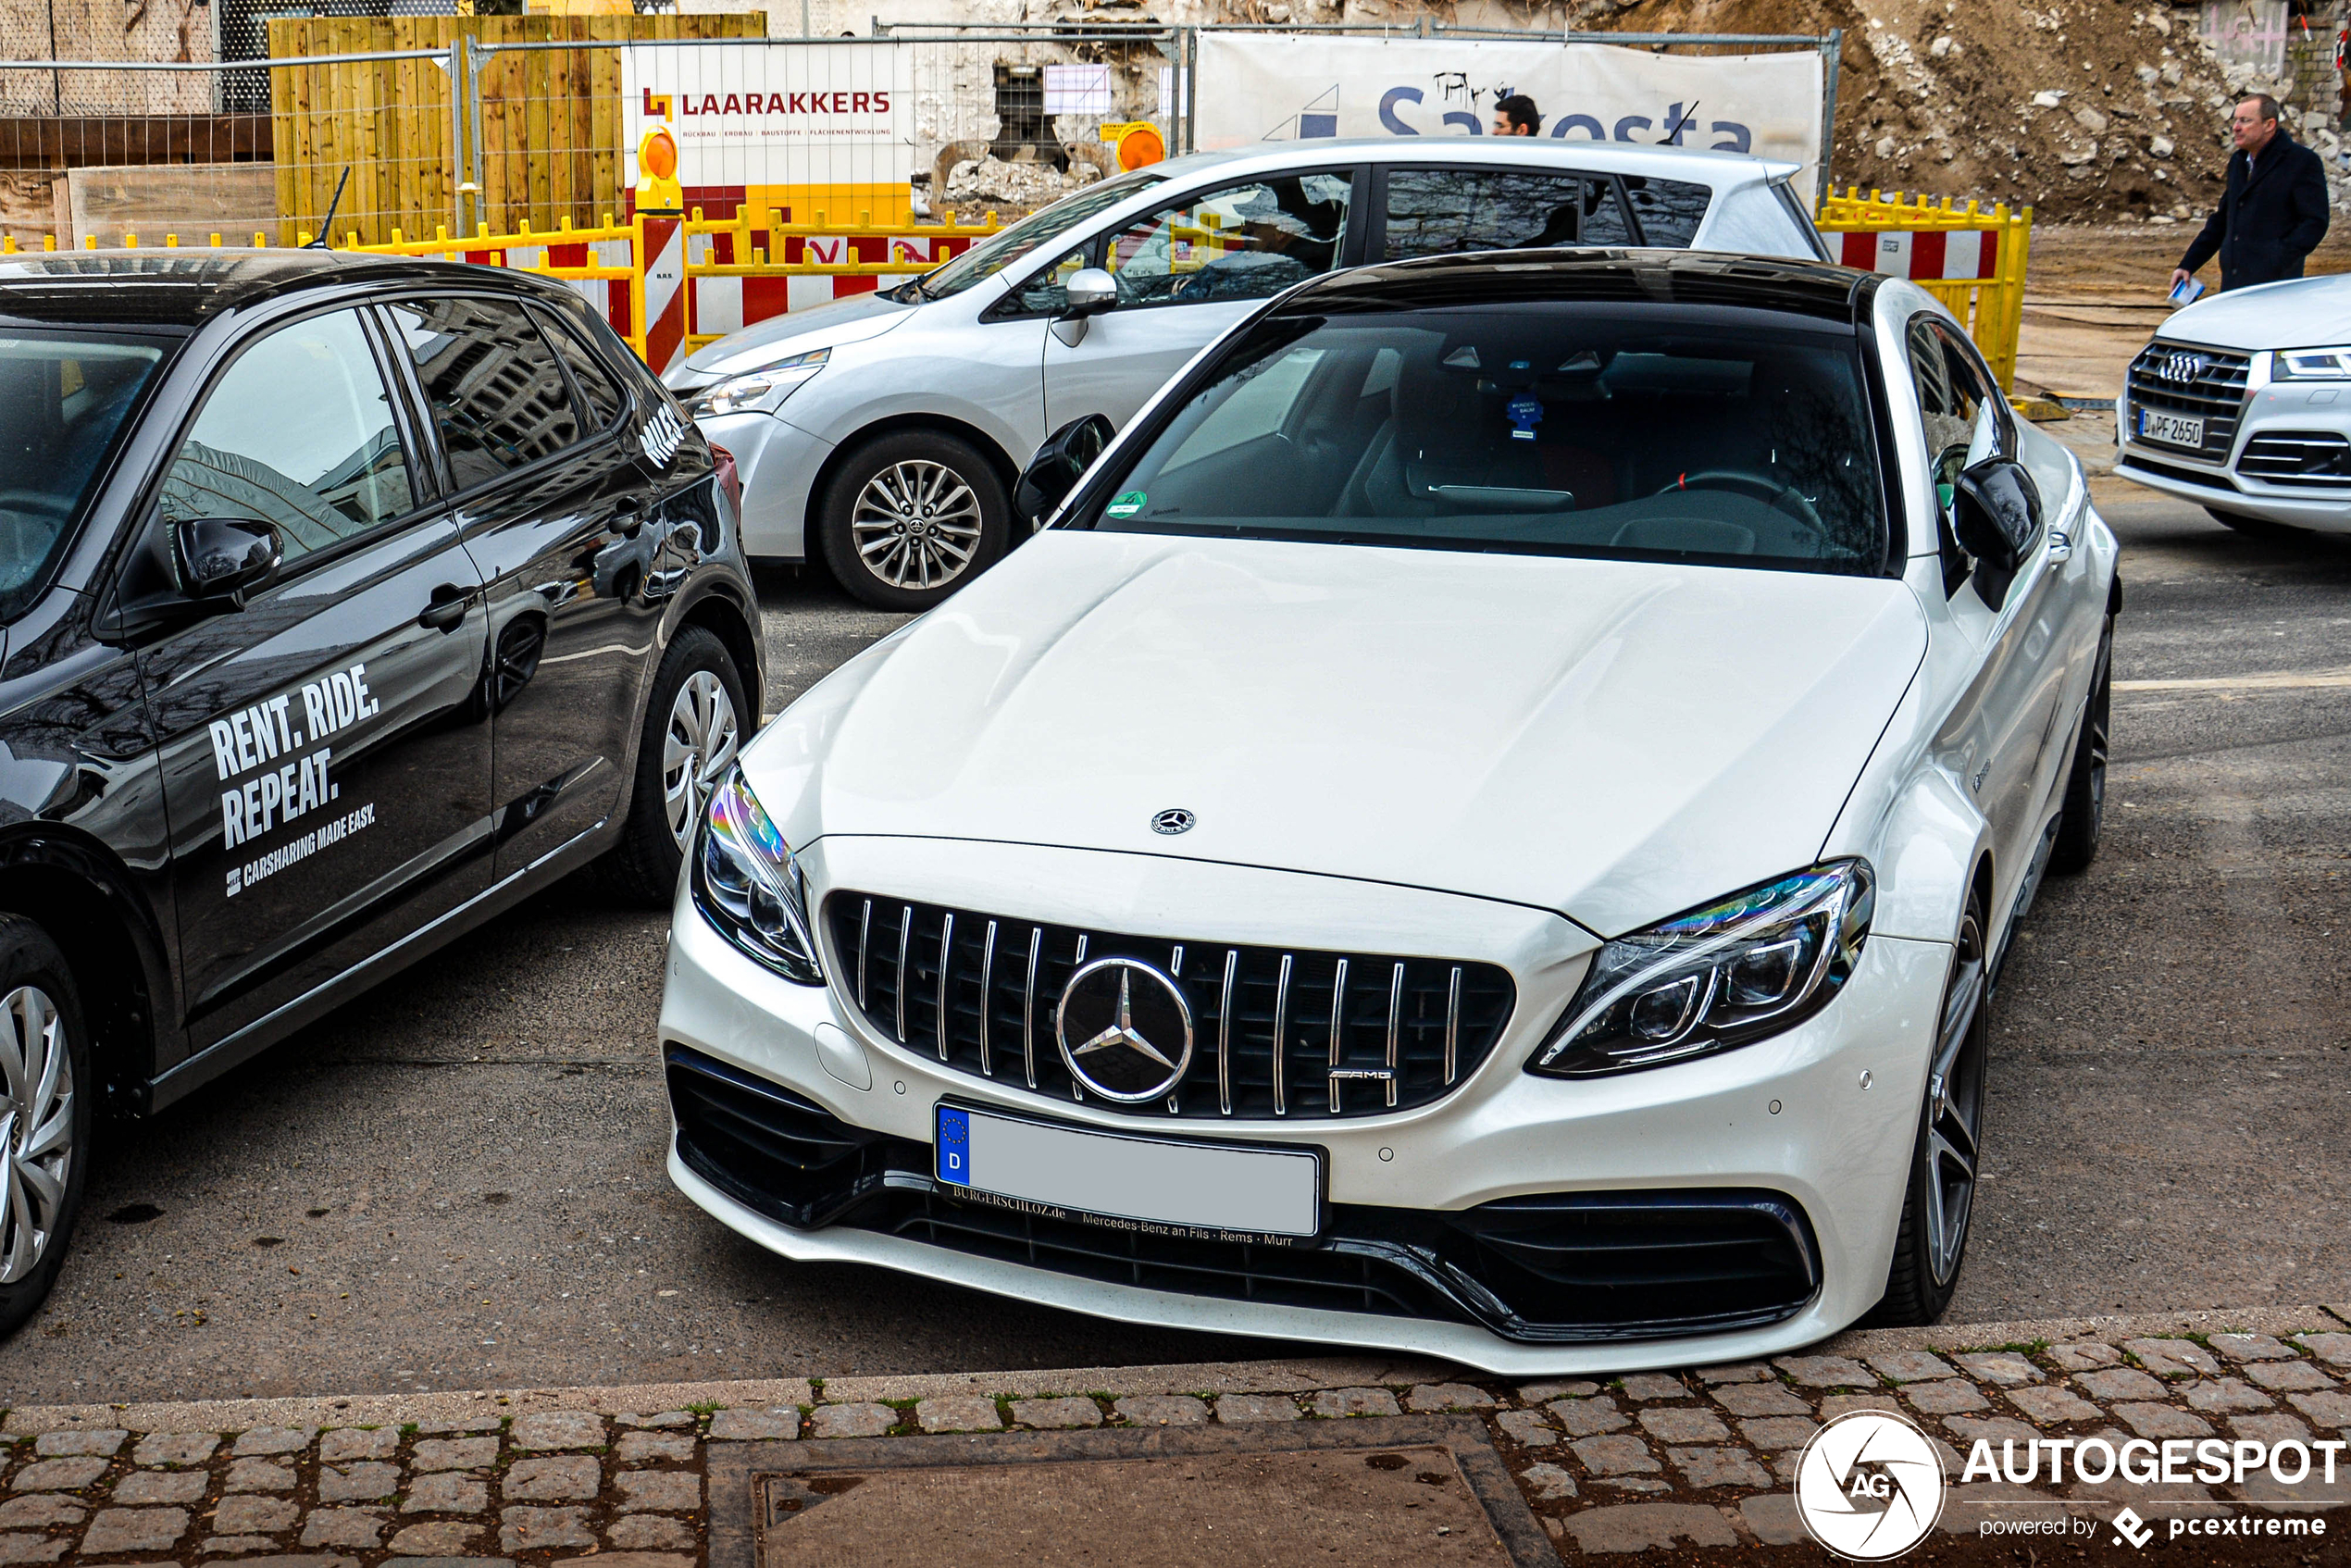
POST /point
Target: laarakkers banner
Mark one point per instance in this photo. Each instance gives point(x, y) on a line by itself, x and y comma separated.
point(1275, 87)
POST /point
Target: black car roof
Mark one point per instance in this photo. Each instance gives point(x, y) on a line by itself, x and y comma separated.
point(184, 288)
point(1634, 276)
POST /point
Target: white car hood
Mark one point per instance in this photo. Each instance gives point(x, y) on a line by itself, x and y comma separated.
point(2298, 313)
point(847, 321)
point(1617, 741)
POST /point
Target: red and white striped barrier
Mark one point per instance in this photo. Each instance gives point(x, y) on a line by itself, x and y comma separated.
point(1924, 253)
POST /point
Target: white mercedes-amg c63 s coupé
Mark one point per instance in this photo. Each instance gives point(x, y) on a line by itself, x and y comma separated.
point(1485, 824)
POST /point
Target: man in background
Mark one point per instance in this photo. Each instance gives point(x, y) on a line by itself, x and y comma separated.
point(1515, 115)
point(2273, 212)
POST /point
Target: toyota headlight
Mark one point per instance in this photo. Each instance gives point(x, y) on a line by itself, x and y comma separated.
point(2311, 364)
point(756, 391)
point(1719, 977)
point(748, 884)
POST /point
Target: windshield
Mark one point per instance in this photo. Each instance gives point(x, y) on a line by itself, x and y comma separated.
point(62, 400)
point(1719, 435)
point(998, 251)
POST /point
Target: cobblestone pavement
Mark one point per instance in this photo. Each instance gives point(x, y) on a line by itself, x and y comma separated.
point(1699, 1458)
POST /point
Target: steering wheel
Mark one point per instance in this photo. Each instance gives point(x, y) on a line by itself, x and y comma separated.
point(1786, 497)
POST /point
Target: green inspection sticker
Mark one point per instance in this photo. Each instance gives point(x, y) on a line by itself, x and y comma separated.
point(1126, 504)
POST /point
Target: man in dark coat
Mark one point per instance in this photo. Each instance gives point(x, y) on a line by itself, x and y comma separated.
point(2274, 211)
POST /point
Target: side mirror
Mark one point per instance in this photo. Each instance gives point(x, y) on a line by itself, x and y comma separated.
point(1054, 471)
point(224, 558)
point(1090, 292)
point(1996, 512)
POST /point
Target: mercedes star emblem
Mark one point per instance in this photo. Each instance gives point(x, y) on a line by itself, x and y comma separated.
point(1125, 1030)
point(1174, 819)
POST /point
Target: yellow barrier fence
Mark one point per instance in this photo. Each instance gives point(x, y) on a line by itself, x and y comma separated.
point(738, 273)
point(1971, 260)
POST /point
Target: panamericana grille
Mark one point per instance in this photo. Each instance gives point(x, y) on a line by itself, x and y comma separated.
point(2208, 383)
point(979, 991)
point(2311, 457)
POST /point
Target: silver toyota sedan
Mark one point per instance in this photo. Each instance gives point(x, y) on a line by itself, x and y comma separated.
point(882, 434)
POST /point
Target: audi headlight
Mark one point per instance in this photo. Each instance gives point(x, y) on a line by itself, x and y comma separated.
point(756, 391)
point(748, 884)
point(1716, 979)
point(2311, 364)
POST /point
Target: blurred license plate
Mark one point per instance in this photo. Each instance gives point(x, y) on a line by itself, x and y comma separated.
point(2177, 429)
point(1211, 1191)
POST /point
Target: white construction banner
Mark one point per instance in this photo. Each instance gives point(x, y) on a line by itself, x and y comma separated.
point(806, 113)
point(1276, 87)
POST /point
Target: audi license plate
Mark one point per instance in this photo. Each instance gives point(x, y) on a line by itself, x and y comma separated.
point(1156, 1185)
point(2178, 429)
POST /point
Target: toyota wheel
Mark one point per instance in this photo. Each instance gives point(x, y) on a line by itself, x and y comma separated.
point(910, 518)
point(45, 1116)
point(695, 724)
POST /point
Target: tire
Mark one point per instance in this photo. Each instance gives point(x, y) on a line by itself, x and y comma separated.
point(1938, 1201)
point(2253, 527)
point(2083, 817)
point(694, 725)
point(910, 518)
point(46, 1102)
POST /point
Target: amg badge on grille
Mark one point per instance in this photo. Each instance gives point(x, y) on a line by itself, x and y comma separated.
point(1174, 819)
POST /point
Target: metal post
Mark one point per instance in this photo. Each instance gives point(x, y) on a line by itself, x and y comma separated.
point(457, 144)
point(1191, 90)
point(1834, 48)
point(474, 53)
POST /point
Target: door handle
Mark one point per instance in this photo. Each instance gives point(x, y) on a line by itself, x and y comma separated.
point(2061, 546)
point(629, 516)
point(447, 609)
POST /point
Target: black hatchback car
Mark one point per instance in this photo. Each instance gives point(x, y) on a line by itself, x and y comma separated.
point(343, 601)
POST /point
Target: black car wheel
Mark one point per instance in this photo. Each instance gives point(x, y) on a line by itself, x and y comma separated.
point(910, 518)
point(45, 1090)
point(694, 725)
point(1939, 1202)
point(2083, 817)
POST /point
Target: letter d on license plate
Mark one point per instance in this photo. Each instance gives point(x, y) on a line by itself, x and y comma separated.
point(1156, 1184)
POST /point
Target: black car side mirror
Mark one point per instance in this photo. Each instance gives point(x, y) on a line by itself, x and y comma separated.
point(1996, 512)
point(225, 558)
point(1053, 472)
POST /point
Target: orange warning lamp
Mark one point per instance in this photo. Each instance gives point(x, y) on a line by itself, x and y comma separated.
point(1138, 141)
point(657, 187)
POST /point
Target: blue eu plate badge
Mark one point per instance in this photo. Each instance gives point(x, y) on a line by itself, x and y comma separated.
point(954, 1146)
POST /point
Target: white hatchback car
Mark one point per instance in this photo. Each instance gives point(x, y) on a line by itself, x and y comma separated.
point(1486, 826)
point(881, 434)
point(2224, 410)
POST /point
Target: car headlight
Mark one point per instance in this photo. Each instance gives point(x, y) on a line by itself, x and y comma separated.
point(1716, 979)
point(2311, 364)
point(756, 391)
point(748, 884)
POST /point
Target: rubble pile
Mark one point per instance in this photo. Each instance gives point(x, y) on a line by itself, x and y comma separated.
point(2103, 110)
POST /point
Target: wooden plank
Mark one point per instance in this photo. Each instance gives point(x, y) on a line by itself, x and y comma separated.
point(192, 200)
point(27, 206)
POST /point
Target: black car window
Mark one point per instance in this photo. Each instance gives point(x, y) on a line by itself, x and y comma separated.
point(1669, 210)
point(1438, 211)
point(1705, 435)
point(1244, 242)
point(588, 374)
point(498, 394)
point(299, 432)
point(64, 397)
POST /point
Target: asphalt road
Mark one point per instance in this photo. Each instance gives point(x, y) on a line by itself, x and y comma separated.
point(458, 1181)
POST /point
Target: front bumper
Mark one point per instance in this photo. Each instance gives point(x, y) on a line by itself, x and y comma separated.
point(777, 461)
point(2275, 417)
point(1816, 1124)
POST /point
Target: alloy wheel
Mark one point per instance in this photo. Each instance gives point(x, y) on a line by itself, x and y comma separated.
point(1954, 1104)
point(916, 525)
point(37, 1128)
point(698, 743)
